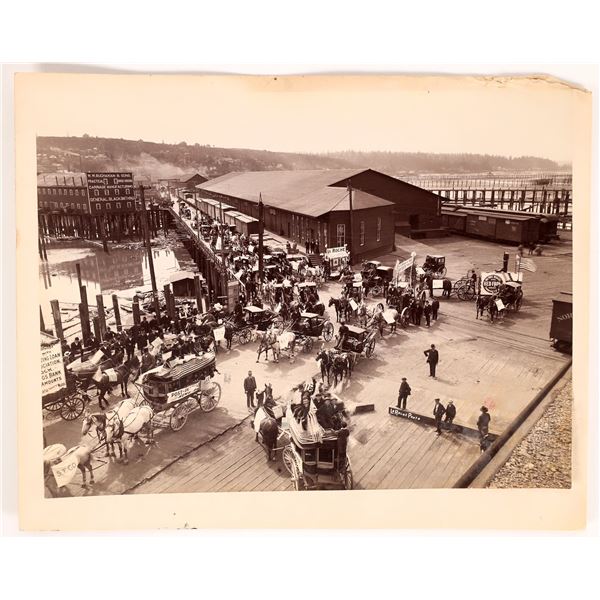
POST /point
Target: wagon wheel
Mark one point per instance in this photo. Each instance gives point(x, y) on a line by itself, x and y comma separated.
point(179, 416)
point(404, 318)
point(209, 397)
point(244, 336)
point(53, 406)
point(328, 331)
point(469, 292)
point(461, 292)
point(518, 303)
point(72, 408)
point(348, 478)
point(297, 480)
point(370, 348)
point(288, 459)
point(376, 290)
point(308, 345)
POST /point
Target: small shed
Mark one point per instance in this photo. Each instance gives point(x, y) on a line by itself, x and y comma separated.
point(182, 283)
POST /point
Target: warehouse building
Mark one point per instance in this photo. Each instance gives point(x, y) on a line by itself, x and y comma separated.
point(315, 206)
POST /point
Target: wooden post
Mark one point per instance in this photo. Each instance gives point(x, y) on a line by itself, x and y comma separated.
point(57, 320)
point(101, 315)
point(85, 321)
point(78, 267)
point(42, 326)
point(169, 301)
point(97, 329)
point(85, 324)
point(115, 302)
point(136, 311)
point(198, 290)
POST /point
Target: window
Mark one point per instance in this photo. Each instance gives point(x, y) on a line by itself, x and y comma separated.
point(96, 193)
point(362, 233)
point(62, 204)
point(98, 206)
point(129, 205)
point(378, 229)
point(79, 206)
point(77, 192)
point(71, 192)
point(118, 205)
point(107, 205)
point(341, 234)
point(54, 191)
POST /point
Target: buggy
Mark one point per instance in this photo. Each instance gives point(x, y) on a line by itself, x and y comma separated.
point(435, 265)
point(360, 341)
point(311, 325)
point(260, 318)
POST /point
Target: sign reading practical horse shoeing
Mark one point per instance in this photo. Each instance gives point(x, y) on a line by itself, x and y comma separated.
point(110, 192)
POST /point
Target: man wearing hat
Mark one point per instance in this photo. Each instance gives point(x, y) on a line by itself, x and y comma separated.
point(483, 423)
point(433, 358)
point(438, 413)
point(450, 414)
point(403, 393)
point(342, 335)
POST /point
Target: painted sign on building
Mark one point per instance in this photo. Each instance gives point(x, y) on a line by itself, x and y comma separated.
point(111, 192)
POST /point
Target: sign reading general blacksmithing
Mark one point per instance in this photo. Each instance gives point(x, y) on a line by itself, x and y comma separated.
point(111, 192)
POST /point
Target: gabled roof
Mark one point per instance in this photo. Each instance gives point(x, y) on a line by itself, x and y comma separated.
point(311, 193)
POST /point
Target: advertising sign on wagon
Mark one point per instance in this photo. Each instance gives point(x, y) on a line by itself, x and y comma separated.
point(438, 284)
point(219, 333)
point(53, 370)
point(500, 304)
point(353, 304)
point(389, 316)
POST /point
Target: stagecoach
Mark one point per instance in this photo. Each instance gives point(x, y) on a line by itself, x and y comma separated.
point(360, 341)
point(315, 464)
point(174, 391)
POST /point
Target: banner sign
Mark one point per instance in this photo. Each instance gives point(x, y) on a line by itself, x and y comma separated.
point(338, 252)
point(500, 304)
point(219, 333)
point(183, 392)
point(490, 283)
point(53, 370)
point(353, 304)
point(65, 470)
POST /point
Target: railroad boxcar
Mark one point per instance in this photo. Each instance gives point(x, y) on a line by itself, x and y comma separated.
point(481, 225)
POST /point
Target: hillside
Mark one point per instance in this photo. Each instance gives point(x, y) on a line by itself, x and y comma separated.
point(171, 160)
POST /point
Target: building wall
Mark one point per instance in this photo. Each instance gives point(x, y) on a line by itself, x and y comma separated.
point(373, 231)
point(73, 199)
point(409, 201)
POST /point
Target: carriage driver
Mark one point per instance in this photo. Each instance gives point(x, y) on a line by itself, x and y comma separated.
point(342, 335)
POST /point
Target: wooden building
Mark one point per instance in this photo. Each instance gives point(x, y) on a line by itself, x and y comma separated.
point(315, 206)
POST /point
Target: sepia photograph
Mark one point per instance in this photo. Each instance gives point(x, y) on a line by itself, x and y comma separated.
point(305, 284)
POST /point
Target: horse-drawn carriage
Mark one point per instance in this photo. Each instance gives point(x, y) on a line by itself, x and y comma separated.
point(70, 402)
point(511, 295)
point(311, 325)
point(260, 318)
point(173, 392)
point(465, 288)
point(435, 265)
point(359, 340)
point(317, 457)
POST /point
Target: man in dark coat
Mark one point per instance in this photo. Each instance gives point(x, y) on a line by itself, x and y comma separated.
point(250, 388)
point(435, 306)
point(403, 393)
point(483, 423)
point(433, 358)
point(77, 349)
point(438, 413)
point(419, 313)
point(342, 335)
point(450, 414)
point(427, 313)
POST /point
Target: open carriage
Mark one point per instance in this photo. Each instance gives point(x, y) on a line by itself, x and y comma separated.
point(360, 341)
point(175, 391)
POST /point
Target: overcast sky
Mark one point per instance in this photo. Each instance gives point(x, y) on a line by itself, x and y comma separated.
point(315, 114)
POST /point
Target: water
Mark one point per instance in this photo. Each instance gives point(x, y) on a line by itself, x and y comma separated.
point(121, 271)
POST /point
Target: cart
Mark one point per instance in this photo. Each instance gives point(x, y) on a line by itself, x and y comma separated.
point(435, 265)
point(360, 341)
point(312, 325)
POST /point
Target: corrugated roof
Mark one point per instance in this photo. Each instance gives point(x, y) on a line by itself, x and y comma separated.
point(309, 193)
point(62, 179)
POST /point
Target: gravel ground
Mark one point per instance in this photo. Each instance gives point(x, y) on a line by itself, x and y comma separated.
point(543, 458)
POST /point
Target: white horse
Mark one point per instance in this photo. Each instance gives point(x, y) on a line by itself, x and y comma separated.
point(136, 422)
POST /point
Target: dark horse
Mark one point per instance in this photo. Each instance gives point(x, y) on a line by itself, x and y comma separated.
point(268, 428)
point(342, 307)
point(324, 356)
point(486, 303)
point(342, 364)
point(123, 372)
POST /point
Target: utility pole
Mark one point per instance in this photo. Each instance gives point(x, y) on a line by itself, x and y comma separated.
point(351, 236)
point(149, 251)
point(261, 220)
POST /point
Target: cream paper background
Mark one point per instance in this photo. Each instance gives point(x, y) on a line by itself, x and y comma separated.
point(43, 99)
